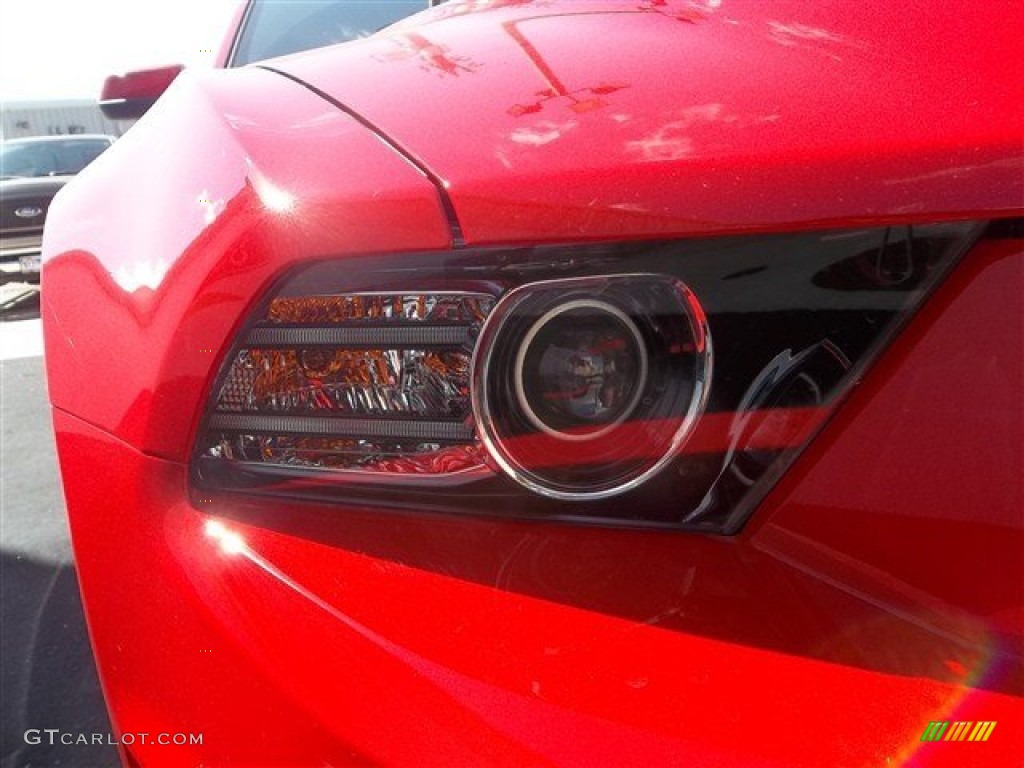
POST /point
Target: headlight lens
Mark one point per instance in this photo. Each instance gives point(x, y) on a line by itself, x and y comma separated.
point(583, 388)
point(580, 370)
point(570, 383)
point(362, 382)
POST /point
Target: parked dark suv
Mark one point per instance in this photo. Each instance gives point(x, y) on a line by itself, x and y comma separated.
point(32, 170)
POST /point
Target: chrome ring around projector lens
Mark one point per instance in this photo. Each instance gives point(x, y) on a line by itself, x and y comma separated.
point(589, 370)
point(556, 449)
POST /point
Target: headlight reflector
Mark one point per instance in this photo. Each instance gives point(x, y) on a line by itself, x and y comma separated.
point(361, 382)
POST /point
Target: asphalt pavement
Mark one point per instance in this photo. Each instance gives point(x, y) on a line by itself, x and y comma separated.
point(48, 677)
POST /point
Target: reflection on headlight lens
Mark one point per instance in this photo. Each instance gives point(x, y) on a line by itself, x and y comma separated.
point(585, 388)
point(581, 369)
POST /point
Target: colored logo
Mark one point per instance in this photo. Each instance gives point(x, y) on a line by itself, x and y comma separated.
point(959, 731)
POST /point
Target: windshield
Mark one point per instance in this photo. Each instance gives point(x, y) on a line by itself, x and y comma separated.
point(279, 27)
point(49, 158)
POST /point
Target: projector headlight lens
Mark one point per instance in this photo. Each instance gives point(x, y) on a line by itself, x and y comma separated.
point(584, 388)
point(581, 370)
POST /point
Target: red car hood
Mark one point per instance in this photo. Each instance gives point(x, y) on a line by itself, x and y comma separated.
point(574, 120)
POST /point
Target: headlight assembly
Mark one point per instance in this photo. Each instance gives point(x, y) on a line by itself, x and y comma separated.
point(662, 383)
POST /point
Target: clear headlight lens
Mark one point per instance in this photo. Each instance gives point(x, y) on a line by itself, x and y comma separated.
point(359, 382)
point(661, 383)
point(585, 387)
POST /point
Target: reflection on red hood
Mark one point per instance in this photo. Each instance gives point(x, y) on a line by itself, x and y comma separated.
point(578, 120)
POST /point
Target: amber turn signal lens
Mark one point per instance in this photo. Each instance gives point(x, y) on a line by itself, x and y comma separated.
point(365, 383)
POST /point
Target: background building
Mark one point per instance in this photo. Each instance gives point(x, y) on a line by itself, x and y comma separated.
point(55, 118)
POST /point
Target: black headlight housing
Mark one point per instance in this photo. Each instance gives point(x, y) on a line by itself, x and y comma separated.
point(665, 383)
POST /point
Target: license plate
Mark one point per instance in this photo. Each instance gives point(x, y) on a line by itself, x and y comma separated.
point(32, 263)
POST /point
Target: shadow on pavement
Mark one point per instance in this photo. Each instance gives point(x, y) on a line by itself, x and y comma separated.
point(48, 677)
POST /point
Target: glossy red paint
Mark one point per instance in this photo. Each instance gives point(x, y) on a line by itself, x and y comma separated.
point(129, 95)
point(887, 472)
point(302, 634)
point(693, 117)
point(878, 587)
point(252, 179)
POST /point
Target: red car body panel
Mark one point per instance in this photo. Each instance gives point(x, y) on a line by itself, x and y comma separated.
point(876, 589)
point(688, 118)
point(437, 640)
point(189, 254)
